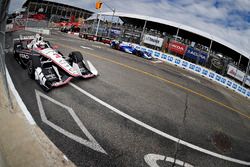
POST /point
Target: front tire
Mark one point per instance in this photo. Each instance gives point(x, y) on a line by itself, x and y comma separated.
point(31, 70)
point(47, 87)
point(32, 65)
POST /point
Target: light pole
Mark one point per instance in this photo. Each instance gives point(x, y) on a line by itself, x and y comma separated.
point(98, 24)
point(113, 10)
point(143, 31)
point(98, 6)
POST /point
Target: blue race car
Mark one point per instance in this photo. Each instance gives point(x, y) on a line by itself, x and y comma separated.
point(118, 45)
point(129, 49)
point(143, 54)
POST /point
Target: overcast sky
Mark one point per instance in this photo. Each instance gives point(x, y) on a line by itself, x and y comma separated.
point(226, 19)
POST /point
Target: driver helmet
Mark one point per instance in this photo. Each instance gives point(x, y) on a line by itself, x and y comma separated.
point(41, 45)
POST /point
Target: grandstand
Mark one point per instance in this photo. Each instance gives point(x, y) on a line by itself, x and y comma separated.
point(54, 8)
point(171, 34)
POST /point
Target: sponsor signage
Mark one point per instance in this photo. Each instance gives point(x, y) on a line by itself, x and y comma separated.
point(115, 32)
point(177, 47)
point(194, 54)
point(157, 54)
point(150, 52)
point(152, 40)
point(164, 56)
point(184, 64)
point(237, 74)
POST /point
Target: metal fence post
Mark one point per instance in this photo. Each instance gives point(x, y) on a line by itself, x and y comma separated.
point(143, 30)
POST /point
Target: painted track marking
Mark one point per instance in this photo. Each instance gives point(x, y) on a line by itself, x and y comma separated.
point(85, 47)
point(166, 81)
point(192, 78)
point(172, 83)
point(163, 134)
point(151, 160)
point(91, 143)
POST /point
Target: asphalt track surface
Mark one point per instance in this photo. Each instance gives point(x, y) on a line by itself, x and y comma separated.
point(123, 117)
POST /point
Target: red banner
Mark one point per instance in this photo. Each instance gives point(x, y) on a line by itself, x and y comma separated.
point(177, 47)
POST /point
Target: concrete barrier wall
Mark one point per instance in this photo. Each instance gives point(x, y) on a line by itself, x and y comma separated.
point(207, 73)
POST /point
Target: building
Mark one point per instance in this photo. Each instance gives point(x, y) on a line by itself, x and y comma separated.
point(54, 8)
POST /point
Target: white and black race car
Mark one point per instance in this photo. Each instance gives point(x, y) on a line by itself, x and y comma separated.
point(47, 65)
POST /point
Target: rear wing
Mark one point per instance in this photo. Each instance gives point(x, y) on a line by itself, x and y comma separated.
point(25, 38)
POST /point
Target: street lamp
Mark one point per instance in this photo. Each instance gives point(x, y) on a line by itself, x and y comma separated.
point(98, 24)
point(99, 6)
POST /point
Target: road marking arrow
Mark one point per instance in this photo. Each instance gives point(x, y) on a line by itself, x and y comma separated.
point(91, 142)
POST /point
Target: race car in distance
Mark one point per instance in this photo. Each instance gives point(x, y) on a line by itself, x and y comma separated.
point(72, 28)
point(129, 49)
point(48, 66)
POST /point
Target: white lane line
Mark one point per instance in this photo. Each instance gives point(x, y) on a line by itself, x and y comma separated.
point(152, 159)
point(84, 47)
point(158, 131)
point(19, 99)
point(157, 61)
point(92, 143)
point(192, 78)
point(99, 47)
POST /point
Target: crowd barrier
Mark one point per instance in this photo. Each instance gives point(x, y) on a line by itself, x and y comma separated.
point(207, 73)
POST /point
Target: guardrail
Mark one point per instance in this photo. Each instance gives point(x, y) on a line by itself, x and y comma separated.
point(207, 73)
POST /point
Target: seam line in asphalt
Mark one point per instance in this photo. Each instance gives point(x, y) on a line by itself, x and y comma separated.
point(165, 80)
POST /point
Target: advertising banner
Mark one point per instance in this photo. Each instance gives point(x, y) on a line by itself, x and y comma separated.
point(234, 72)
point(237, 74)
point(152, 40)
point(115, 32)
point(194, 54)
point(177, 47)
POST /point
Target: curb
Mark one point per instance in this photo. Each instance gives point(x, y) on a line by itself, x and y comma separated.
point(19, 99)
